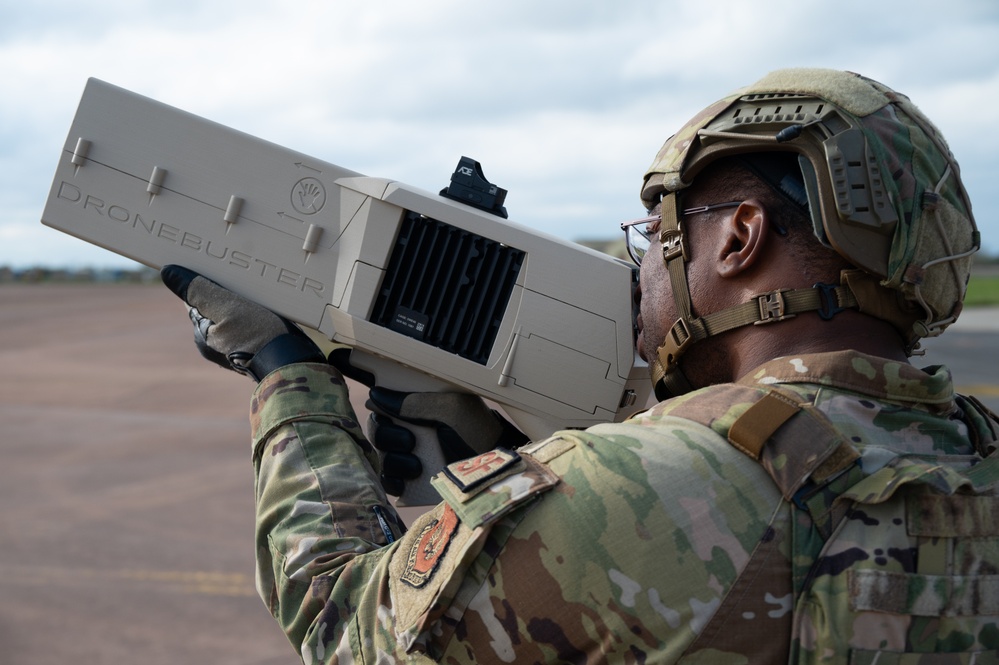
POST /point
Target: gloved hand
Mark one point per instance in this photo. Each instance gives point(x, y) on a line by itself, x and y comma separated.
point(464, 427)
point(236, 333)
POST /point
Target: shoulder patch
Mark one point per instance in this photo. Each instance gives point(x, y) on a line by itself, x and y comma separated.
point(426, 553)
point(424, 571)
point(473, 472)
point(441, 560)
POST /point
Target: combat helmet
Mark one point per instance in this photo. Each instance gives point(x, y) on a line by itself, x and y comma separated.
point(883, 191)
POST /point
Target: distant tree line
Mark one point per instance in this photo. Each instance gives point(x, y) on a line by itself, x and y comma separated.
point(43, 275)
point(984, 263)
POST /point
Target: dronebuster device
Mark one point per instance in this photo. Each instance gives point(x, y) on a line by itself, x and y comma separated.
point(433, 291)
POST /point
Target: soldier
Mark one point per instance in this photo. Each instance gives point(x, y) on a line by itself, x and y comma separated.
point(801, 493)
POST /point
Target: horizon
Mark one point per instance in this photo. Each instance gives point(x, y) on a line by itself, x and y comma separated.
point(563, 105)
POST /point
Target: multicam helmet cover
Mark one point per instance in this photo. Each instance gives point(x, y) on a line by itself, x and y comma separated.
point(884, 190)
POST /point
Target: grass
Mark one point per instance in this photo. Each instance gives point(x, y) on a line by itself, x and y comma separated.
point(982, 290)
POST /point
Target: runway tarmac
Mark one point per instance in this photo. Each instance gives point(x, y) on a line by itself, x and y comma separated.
point(127, 529)
point(970, 349)
point(127, 533)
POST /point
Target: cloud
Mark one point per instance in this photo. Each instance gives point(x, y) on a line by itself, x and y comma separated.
point(564, 104)
point(34, 245)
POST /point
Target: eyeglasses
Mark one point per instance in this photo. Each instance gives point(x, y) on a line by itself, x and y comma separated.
point(637, 232)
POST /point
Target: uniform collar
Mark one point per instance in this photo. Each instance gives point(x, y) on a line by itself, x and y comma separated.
point(861, 373)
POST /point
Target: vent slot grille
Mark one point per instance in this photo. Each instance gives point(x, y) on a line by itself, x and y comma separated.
point(447, 287)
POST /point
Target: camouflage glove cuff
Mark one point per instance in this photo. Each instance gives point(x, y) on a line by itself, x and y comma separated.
point(236, 333)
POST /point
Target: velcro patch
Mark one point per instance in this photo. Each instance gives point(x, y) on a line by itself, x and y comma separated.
point(470, 473)
point(427, 552)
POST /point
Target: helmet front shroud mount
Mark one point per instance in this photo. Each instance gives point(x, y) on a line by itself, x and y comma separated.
point(883, 189)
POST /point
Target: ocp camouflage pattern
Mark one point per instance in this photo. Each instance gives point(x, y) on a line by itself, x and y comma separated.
point(930, 255)
point(648, 541)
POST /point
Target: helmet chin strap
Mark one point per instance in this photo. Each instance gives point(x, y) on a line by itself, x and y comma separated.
point(668, 379)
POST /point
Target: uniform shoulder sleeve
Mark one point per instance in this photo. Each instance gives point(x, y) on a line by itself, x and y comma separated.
point(440, 561)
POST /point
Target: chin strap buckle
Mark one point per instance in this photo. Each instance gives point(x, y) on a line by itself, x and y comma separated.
point(673, 245)
point(677, 340)
point(828, 301)
point(676, 343)
point(772, 308)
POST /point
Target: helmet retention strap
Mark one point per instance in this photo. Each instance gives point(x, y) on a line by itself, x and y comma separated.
point(668, 379)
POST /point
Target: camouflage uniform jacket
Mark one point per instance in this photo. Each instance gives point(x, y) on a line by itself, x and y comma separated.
point(615, 544)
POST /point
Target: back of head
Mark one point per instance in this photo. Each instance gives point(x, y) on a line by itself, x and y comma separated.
point(880, 185)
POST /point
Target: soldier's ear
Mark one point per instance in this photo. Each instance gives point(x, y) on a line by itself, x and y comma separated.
point(744, 239)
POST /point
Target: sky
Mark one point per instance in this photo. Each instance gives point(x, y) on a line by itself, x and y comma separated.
point(563, 103)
